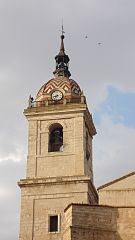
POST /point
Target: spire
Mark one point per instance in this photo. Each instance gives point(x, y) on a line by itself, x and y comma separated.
point(62, 50)
point(62, 60)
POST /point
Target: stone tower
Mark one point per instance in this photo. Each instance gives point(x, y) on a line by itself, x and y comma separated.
point(59, 163)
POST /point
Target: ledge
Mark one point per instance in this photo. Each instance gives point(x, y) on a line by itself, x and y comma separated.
point(52, 180)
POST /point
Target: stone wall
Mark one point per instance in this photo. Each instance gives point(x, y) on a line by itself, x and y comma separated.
point(120, 192)
point(91, 222)
point(44, 197)
point(72, 160)
point(126, 223)
point(99, 223)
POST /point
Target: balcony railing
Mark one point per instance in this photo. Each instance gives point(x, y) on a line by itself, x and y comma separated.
point(46, 103)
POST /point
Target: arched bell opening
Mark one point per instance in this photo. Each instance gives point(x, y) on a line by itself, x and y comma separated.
point(55, 138)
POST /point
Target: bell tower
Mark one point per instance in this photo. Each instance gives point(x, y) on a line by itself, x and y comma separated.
point(59, 163)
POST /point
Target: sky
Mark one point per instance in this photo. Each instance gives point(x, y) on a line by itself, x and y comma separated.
point(29, 41)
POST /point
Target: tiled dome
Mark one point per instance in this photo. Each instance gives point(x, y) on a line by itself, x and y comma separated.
point(61, 85)
point(69, 88)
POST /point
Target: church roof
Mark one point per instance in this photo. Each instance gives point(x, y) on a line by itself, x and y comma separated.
point(116, 180)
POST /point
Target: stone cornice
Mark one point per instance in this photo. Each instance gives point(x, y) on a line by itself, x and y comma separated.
point(52, 180)
point(63, 110)
point(55, 109)
point(33, 182)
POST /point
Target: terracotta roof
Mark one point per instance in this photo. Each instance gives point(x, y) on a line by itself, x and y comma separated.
point(116, 180)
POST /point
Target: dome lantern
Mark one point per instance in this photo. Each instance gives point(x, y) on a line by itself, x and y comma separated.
point(62, 61)
point(61, 88)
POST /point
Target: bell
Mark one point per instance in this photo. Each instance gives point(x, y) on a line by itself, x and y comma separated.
point(57, 136)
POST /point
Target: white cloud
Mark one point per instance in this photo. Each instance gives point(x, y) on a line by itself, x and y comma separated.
point(10, 173)
point(4, 192)
point(113, 150)
point(15, 156)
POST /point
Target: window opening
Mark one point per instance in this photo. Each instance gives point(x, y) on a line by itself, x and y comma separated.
point(53, 224)
point(87, 146)
point(56, 139)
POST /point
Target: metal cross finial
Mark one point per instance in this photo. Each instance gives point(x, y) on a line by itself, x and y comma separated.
point(62, 28)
